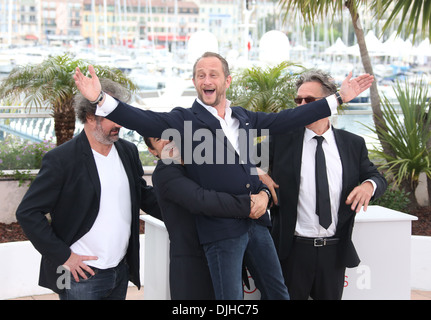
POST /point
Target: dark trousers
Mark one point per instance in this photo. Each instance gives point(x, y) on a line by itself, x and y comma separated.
point(312, 272)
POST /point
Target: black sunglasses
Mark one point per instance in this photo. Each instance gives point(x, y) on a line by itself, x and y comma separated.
point(307, 99)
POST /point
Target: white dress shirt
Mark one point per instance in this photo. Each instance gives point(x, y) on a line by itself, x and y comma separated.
point(229, 124)
point(307, 223)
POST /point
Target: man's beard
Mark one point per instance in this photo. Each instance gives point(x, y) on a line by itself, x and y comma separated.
point(103, 138)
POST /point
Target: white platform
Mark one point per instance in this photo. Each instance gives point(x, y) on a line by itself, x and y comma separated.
point(381, 236)
point(393, 262)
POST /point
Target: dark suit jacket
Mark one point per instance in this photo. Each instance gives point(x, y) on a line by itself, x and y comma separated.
point(180, 200)
point(235, 178)
point(285, 167)
point(68, 188)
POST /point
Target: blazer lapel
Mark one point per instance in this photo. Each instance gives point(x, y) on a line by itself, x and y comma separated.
point(127, 165)
point(344, 158)
point(90, 164)
point(297, 143)
point(206, 117)
point(244, 124)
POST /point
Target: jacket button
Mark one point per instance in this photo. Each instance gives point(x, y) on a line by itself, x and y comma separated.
point(247, 185)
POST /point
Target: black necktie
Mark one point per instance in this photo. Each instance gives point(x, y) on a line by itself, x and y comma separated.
point(323, 203)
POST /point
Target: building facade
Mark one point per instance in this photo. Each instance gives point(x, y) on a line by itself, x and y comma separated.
point(130, 23)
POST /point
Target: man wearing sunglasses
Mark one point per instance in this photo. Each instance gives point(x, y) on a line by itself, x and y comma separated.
point(314, 253)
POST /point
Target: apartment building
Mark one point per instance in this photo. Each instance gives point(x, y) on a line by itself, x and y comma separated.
point(27, 21)
point(107, 23)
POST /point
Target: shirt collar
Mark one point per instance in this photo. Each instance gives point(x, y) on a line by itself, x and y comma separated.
point(328, 135)
point(213, 111)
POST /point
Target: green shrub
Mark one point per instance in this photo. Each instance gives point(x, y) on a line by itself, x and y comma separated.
point(393, 199)
point(147, 158)
point(18, 155)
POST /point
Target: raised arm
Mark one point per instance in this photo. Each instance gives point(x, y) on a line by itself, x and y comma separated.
point(351, 88)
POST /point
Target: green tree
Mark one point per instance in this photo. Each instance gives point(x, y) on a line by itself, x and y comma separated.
point(269, 89)
point(50, 84)
point(409, 136)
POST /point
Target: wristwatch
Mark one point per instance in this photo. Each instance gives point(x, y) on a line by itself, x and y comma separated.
point(99, 98)
point(339, 99)
point(269, 195)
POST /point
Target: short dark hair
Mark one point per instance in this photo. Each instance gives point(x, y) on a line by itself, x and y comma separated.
point(148, 143)
point(83, 107)
point(209, 54)
point(316, 75)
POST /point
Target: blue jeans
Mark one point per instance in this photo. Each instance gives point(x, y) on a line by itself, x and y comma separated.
point(256, 249)
point(106, 284)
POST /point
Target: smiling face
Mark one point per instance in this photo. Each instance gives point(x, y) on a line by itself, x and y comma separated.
point(210, 82)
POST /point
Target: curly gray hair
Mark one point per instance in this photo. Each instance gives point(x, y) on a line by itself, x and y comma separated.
point(83, 107)
point(316, 75)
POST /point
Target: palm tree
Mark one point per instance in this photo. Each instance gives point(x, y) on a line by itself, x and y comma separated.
point(270, 89)
point(409, 136)
point(50, 84)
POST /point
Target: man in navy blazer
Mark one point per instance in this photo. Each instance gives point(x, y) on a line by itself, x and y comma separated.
point(214, 140)
point(70, 189)
point(313, 257)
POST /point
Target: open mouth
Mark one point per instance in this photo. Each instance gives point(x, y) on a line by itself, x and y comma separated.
point(209, 92)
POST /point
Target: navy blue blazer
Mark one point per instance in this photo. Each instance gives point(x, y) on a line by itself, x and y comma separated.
point(285, 167)
point(194, 126)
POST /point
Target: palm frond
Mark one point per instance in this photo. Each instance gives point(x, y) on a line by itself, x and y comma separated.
point(312, 9)
point(412, 13)
point(269, 89)
point(407, 132)
point(50, 84)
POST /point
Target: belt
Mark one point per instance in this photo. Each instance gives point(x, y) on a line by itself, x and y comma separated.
point(317, 242)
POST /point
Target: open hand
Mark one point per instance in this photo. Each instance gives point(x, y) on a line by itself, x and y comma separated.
point(89, 87)
point(351, 88)
point(360, 196)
